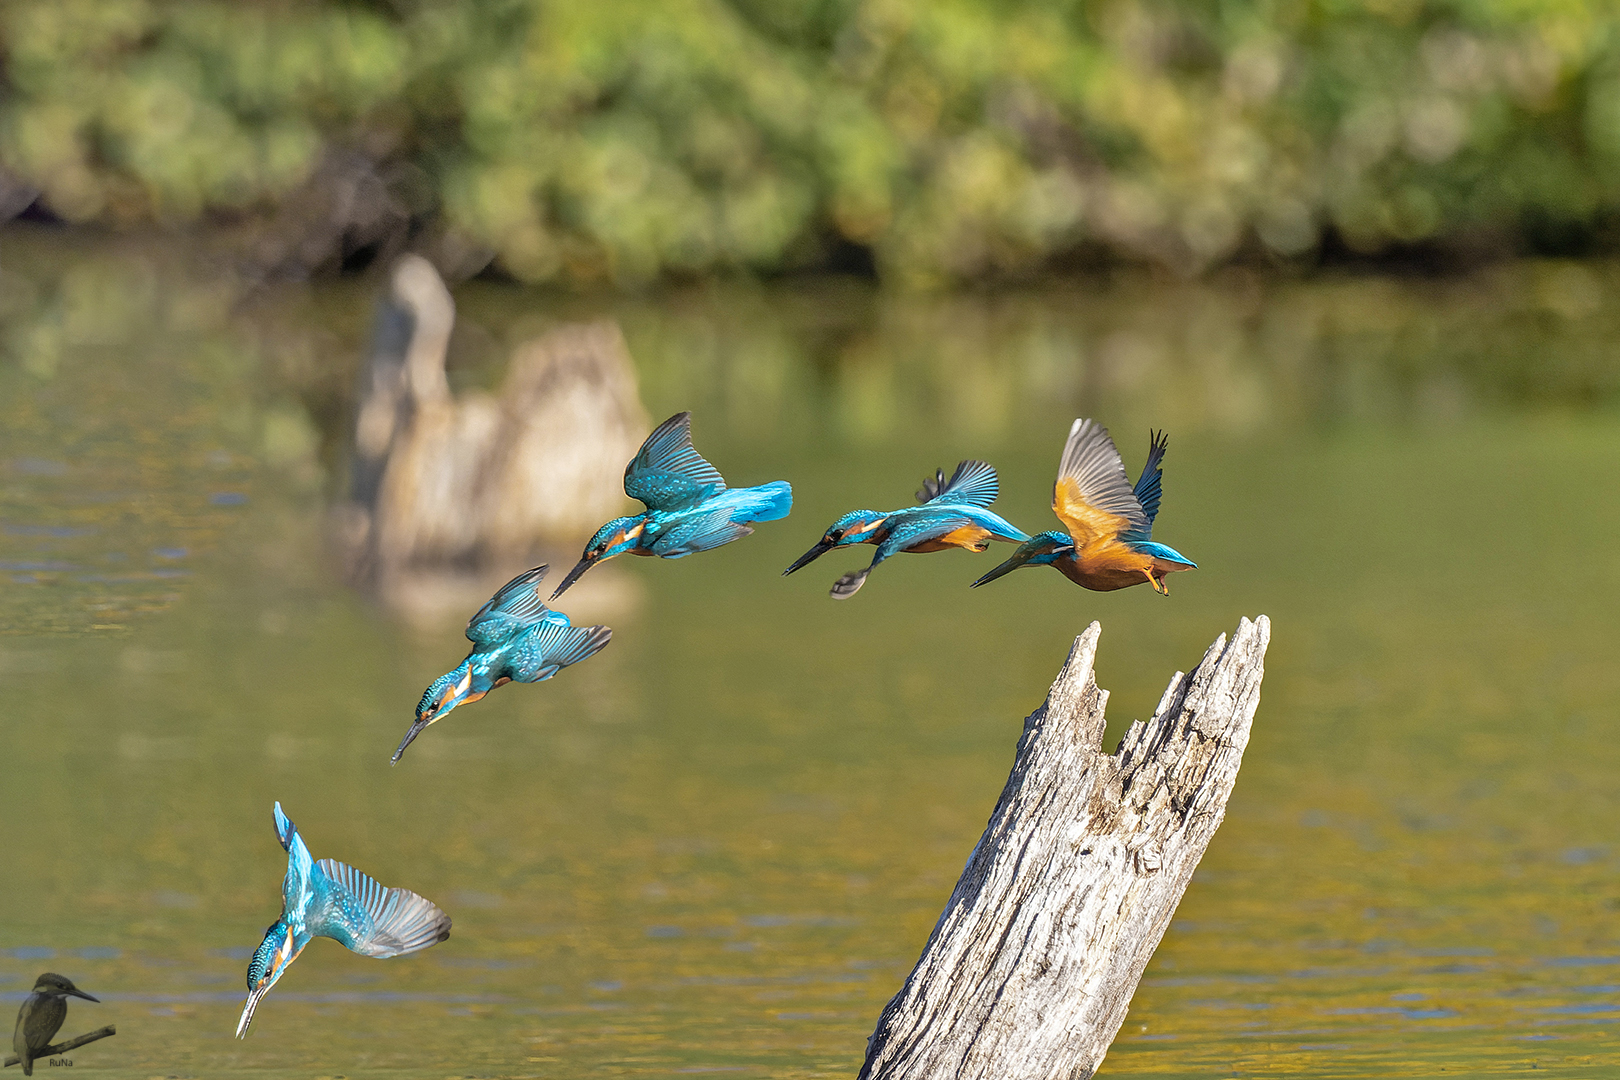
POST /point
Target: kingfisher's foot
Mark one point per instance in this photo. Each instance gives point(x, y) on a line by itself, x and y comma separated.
point(850, 584)
point(1158, 584)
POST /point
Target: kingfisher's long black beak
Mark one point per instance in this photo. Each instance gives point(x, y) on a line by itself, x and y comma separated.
point(252, 1004)
point(76, 992)
point(418, 726)
point(808, 557)
point(1005, 568)
point(573, 575)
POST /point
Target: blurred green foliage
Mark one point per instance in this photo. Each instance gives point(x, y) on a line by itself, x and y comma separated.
point(954, 139)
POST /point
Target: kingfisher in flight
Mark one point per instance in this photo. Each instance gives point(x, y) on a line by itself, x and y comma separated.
point(950, 513)
point(41, 1017)
point(516, 638)
point(689, 507)
point(1109, 542)
point(331, 899)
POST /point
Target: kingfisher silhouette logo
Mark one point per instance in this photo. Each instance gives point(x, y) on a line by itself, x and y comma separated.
point(40, 1018)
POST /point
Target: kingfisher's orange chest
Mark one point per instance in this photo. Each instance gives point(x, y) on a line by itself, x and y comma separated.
point(968, 537)
point(1107, 553)
point(1104, 565)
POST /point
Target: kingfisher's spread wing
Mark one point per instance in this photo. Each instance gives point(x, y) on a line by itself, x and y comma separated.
point(667, 473)
point(286, 831)
point(1148, 485)
point(973, 483)
point(373, 919)
point(1092, 497)
point(549, 648)
point(298, 887)
point(515, 606)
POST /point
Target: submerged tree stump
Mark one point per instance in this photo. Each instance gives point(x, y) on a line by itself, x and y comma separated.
point(448, 484)
point(1030, 970)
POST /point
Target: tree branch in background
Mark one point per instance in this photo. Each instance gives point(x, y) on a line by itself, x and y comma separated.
point(63, 1047)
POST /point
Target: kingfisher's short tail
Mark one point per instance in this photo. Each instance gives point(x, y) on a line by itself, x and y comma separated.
point(767, 502)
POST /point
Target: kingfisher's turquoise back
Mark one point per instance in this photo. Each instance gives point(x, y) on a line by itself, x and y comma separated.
point(714, 521)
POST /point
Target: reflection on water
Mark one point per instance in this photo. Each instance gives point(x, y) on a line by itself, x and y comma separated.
point(720, 845)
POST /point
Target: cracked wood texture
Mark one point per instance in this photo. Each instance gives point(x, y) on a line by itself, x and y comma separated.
point(1030, 969)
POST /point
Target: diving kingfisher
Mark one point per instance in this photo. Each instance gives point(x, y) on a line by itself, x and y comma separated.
point(331, 899)
point(1110, 524)
point(516, 638)
point(689, 507)
point(41, 1016)
point(952, 513)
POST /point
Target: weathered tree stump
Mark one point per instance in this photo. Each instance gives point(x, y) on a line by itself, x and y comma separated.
point(1030, 970)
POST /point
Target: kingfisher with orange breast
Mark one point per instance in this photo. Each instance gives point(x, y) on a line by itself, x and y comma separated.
point(952, 513)
point(689, 507)
point(326, 898)
point(1109, 542)
point(516, 638)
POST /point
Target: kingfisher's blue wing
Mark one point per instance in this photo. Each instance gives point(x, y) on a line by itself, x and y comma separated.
point(916, 529)
point(703, 533)
point(373, 919)
point(973, 483)
point(920, 527)
point(298, 887)
point(1092, 497)
point(516, 605)
point(1148, 485)
point(548, 649)
point(667, 473)
point(286, 831)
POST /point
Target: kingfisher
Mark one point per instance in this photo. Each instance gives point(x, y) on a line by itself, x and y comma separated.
point(331, 899)
point(1109, 543)
point(41, 1017)
point(951, 513)
point(516, 638)
point(689, 507)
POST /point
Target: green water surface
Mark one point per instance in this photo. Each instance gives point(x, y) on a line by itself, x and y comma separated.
point(719, 846)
